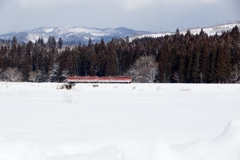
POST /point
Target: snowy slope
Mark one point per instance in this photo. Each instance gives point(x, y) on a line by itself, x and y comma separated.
point(119, 122)
point(208, 30)
point(73, 35)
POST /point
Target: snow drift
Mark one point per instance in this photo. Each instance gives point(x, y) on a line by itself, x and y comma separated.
point(224, 147)
point(20, 150)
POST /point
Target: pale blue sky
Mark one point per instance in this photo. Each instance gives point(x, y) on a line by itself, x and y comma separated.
point(149, 15)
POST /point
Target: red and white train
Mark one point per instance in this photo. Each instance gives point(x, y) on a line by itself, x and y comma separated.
point(96, 79)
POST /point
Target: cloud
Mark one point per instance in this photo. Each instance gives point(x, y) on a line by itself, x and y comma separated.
point(36, 3)
point(137, 14)
point(136, 4)
point(141, 4)
point(130, 5)
point(2, 3)
point(192, 1)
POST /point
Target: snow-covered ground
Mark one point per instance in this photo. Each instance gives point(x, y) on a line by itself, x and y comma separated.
point(119, 122)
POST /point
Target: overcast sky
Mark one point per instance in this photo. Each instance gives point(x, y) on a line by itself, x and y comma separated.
point(148, 15)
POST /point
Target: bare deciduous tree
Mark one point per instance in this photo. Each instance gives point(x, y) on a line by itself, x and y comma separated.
point(150, 73)
point(12, 75)
point(1, 74)
point(235, 75)
point(143, 70)
point(35, 76)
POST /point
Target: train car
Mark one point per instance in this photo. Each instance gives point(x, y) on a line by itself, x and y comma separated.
point(96, 79)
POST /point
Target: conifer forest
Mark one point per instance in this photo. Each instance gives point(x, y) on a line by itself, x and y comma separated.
point(177, 58)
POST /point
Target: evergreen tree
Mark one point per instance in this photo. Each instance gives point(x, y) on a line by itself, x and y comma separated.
point(213, 55)
point(60, 43)
point(220, 68)
point(111, 63)
point(14, 41)
point(27, 61)
point(196, 64)
point(89, 42)
point(205, 63)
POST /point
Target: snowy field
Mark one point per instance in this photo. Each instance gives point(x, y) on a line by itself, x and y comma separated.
point(119, 122)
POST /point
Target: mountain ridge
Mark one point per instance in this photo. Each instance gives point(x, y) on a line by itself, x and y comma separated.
point(212, 30)
point(73, 35)
point(76, 35)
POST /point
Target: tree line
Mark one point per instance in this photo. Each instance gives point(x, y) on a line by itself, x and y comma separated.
point(179, 58)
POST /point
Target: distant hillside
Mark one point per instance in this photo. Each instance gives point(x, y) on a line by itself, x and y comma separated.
point(73, 36)
point(218, 29)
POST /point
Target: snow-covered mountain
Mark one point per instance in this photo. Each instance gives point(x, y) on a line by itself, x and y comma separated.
point(209, 30)
point(73, 35)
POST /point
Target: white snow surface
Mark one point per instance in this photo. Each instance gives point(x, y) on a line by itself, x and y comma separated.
point(119, 122)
